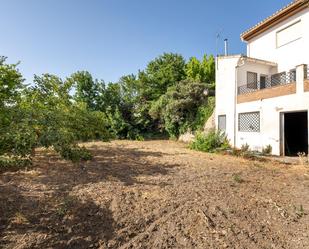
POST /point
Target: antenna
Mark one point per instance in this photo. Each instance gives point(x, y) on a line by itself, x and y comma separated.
point(218, 36)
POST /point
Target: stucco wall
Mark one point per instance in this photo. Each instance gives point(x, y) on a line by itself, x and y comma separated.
point(225, 92)
point(258, 68)
point(270, 110)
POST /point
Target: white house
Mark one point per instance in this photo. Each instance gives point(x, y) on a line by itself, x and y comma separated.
point(263, 98)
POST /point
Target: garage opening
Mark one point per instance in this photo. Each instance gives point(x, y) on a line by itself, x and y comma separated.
point(295, 133)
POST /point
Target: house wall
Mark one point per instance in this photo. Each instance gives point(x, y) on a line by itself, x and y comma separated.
point(288, 56)
point(231, 72)
point(270, 110)
point(260, 69)
point(225, 92)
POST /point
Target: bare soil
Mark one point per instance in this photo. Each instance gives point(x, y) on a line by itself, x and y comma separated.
point(154, 194)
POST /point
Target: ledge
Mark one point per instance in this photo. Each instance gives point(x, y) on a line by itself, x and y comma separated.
point(268, 93)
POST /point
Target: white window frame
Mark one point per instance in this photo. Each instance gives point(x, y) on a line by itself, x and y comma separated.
point(222, 116)
point(285, 28)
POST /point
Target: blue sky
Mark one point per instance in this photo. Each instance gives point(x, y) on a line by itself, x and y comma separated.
point(111, 38)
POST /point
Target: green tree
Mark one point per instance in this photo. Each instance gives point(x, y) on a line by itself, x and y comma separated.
point(16, 139)
point(179, 106)
point(87, 89)
point(161, 73)
point(201, 71)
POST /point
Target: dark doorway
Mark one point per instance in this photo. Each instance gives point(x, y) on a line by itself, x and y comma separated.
point(262, 82)
point(295, 133)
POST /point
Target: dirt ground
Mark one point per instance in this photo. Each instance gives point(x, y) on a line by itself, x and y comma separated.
point(154, 194)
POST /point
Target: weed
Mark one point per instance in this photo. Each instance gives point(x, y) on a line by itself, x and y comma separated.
point(302, 158)
point(245, 148)
point(267, 150)
point(299, 211)
point(237, 178)
point(19, 218)
point(65, 206)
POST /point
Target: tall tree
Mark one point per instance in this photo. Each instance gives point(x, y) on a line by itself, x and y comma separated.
point(201, 71)
point(86, 88)
point(161, 73)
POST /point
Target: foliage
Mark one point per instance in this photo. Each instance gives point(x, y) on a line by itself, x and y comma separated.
point(203, 114)
point(178, 108)
point(201, 71)
point(160, 74)
point(167, 96)
point(86, 88)
point(163, 97)
point(245, 148)
point(267, 150)
point(15, 137)
point(73, 152)
point(14, 163)
point(212, 142)
point(45, 115)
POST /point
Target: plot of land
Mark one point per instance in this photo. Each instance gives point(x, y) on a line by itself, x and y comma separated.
point(154, 194)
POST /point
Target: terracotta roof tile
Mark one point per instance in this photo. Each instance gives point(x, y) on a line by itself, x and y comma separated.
point(291, 6)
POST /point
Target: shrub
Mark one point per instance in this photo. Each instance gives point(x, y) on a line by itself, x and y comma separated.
point(267, 150)
point(13, 163)
point(245, 148)
point(203, 114)
point(73, 153)
point(212, 142)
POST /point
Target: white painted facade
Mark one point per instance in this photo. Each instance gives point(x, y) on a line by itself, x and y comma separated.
point(275, 50)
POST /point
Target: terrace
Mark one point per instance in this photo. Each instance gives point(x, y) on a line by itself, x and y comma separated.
point(269, 86)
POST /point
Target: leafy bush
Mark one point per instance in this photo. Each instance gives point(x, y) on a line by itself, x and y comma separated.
point(73, 153)
point(212, 142)
point(13, 163)
point(178, 108)
point(88, 125)
point(203, 114)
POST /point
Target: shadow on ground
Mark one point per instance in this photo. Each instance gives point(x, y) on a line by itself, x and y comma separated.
point(42, 204)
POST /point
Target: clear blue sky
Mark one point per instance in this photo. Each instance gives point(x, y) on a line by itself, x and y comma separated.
point(110, 38)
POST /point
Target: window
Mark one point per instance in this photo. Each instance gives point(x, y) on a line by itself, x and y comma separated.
point(222, 122)
point(251, 80)
point(249, 122)
point(289, 34)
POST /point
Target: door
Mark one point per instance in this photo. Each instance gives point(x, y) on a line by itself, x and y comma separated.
point(295, 133)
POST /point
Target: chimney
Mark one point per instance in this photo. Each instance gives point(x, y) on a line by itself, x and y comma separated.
point(225, 47)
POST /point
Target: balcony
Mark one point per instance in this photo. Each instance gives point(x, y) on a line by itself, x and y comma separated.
point(274, 80)
point(269, 86)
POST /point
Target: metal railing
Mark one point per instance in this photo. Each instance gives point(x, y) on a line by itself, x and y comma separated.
point(269, 82)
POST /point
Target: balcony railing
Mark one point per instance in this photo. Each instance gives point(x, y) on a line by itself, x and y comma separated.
point(269, 82)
